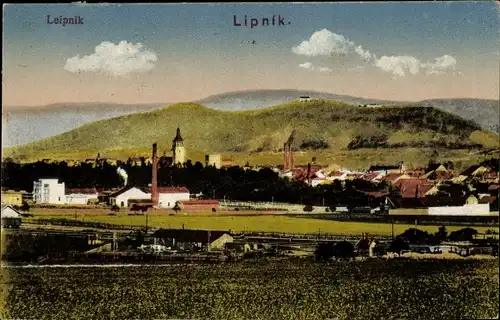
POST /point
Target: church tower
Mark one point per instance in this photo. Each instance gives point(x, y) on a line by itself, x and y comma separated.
point(178, 150)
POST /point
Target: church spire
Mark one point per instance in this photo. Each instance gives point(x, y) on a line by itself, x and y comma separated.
point(178, 137)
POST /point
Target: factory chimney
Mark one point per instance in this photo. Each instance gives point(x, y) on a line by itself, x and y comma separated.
point(286, 163)
point(154, 182)
point(309, 174)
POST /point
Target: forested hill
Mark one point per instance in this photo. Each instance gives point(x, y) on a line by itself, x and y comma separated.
point(317, 124)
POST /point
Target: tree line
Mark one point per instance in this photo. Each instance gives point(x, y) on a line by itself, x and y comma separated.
point(233, 183)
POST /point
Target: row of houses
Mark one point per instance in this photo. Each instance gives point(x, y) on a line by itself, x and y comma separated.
point(52, 191)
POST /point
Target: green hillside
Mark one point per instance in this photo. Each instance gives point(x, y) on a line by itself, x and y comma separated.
point(319, 125)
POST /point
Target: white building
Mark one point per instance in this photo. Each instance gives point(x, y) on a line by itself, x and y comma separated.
point(81, 196)
point(48, 191)
point(305, 98)
point(10, 217)
point(121, 198)
point(168, 196)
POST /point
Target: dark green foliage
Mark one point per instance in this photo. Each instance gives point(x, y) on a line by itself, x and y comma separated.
point(25, 206)
point(314, 144)
point(308, 208)
point(115, 208)
point(324, 251)
point(343, 250)
point(466, 234)
point(233, 183)
point(398, 246)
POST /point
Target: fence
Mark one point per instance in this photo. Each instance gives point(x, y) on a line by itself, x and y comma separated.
point(88, 224)
point(250, 205)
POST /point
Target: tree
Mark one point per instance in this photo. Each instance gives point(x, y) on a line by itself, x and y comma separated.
point(177, 207)
point(466, 234)
point(324, 251)
point(398, 245)
point(308, 208)
point(442, 234)
point(25, 206)
point(343, 250)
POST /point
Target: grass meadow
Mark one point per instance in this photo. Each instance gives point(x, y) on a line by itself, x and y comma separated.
point(242, 223)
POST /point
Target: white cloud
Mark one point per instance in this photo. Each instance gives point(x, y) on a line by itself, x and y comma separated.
point(398, 65)
point(324, 69)
point(324, 43)
point(327, 43)
point(306, 65)
point(364, 54)
point(440, 64)
point(114, 59)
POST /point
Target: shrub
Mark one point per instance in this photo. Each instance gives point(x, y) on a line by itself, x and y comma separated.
point(324, 251)
point(343, 250)
point(115, 208)
point(308, 208)
point(25, 206)
point(466, 234)
point(398, 245)
point(214, 210)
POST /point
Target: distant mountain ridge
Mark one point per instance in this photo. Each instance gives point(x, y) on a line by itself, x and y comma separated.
point(484, 112)
point(256, 99)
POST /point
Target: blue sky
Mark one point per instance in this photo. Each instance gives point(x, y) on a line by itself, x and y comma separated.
point(199, 52)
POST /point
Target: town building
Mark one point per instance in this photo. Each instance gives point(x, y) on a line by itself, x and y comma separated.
point(121, 198)
point(213, 160)
point(169, 196)
point(193, 240)
point(82, 196)
point(11, 218)
point(49, 191)
point(305, 98)
point(11, 197)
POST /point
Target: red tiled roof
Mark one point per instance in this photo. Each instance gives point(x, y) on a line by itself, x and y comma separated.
point(81, 191)
point(392, 176)
point(487, 199)
point(355, 175)
point(493, 186)
point(490, 175)
point(370, 175)
point(168, 190)
point(410, 187)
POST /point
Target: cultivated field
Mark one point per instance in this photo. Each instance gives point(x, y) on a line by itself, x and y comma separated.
point(255, 223)
point(394, 289)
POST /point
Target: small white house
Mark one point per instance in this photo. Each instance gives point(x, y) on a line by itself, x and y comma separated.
point(49, 191)
point(121, 198)
point(81, 196)
point(168, 196)
point(305, 98)
point(11, 218)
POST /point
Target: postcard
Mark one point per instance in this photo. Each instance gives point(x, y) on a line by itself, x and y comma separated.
point(250, 161)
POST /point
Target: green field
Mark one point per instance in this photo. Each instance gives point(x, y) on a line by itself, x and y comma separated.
point(394, 289)
point(263, 223)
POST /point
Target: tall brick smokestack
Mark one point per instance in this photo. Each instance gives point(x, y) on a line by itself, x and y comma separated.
point(286, 160)
point(154, 181)
point(309, 174)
